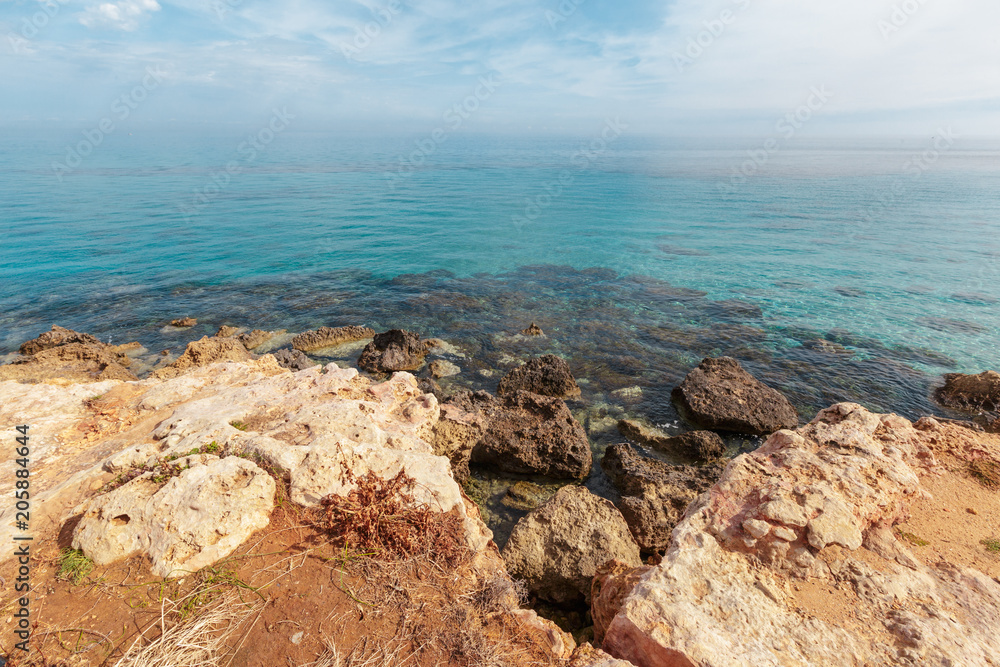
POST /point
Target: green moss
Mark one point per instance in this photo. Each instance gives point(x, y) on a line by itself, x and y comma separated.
point(912, 539)
point(238, 425)
point(992, 545)
point(74, 566)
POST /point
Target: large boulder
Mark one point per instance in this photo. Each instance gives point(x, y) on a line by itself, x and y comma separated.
point(71, 362)
point(655, 494)
point(558, 548)
point(971, 392)
point(790, 559)
point(693, 445)
point(720, 395)
point(393, 350)
point(204, 352)
point(195, 519)
point(526, 433)
point(455, 434)
point(329, 337)
point(547, 375)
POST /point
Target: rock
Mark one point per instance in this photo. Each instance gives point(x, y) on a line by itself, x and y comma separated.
point(654, 494)
point(455, 434)
point(631, 394)
point(293, 360)
point(72, 362)
point(586, 655)
point(720, 396)
point(393, 350)
point(184, 322)
point(612, 583)
point(558, 548)
point(257, 337)
point(442, 368)
point(970, 392)
point(693, 445)
point(430, 386)
point(533, 330)
point(525, 496)
point(57, 337)
point(204, 352)
point(527, 433)
point(547, 375)
point(557, 643)
point(328, 337)
point(194, 520)
point(226, 331)
point(800, 508)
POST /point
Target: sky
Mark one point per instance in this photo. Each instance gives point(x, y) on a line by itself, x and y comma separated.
point(677, 68)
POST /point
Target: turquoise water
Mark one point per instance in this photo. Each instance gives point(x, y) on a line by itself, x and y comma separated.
point(839, 241)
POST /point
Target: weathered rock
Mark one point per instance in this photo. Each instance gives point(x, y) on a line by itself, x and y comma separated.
point(801, 507)
point(547, 375)
point(226, 331)
point(330, 336)
point(204, 352)
point(970, 392)
point(442, 368)
point(72, 362)
point(693, 445)
point(586, 655)
point(525, 496)
point(293, 360)
point(393, 350)
point(558, 548)
point(254, 339)
point(611, 585)
point(527, 433)
point(184, 322)
point(719, 395)
point(195, 519)
point(455, 434)
point(533, 330)
point(654, 494)
point(57, 337)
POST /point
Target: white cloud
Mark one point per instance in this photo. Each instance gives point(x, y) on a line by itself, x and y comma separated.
point(123, 15)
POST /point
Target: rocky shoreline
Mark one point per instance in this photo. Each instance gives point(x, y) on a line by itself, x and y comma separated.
point(692, 558)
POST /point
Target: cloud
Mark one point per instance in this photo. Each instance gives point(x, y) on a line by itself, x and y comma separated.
point(124, 15)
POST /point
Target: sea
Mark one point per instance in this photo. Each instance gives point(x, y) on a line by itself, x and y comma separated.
point(833, 269)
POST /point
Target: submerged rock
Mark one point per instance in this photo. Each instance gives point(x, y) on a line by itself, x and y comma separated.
point(527, 433)
point(254, 339)
point(310, 341)
point(558, 548)
point(226, 331)
point(693, 445)
point(184, 322)
point(654, 494)
point(204, 352)
point(442, 368)
point(393, 350)
point(721, 396)
point(547, 375)
point(533, 330)
point(525, 496)
point(971, 392)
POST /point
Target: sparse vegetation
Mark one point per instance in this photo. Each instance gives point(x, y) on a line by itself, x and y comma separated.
point(992, 545)
point(74, 566)
point(238, 425)
point(986, 473)
point(912, 539)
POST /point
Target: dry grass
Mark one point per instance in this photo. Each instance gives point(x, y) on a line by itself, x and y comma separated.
point(986, 473)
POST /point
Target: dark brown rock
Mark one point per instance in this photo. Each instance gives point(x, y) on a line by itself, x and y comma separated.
point(184, 322)
point(719, 395)
point(329, 336)
point(527, 433)
point(56, 337)
point(970, 392)
point(393, 350)
point(693, 445)
point(655, 494)
point(533, 330)
point(547, 375)
point(293, 360)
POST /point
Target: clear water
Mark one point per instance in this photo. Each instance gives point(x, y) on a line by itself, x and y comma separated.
point(835, 241)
